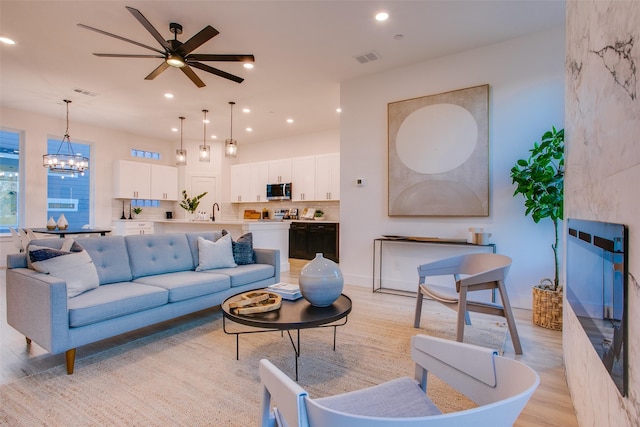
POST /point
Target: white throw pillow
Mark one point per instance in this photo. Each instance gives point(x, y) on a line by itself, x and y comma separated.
point(74, 267)
point(218, 254)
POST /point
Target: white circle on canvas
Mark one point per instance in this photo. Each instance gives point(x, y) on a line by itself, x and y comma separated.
point(437, 138)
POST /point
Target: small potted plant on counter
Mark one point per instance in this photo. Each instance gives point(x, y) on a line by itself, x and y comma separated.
point(540, 179)
point(137, 210)
point(191, 204)
point(319, 215)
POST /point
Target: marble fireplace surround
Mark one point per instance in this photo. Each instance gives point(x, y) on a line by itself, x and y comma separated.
point(602, 124)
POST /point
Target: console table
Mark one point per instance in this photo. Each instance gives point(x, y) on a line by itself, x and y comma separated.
point(378, 263)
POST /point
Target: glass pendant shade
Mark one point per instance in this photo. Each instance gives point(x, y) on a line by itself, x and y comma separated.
point(66, 163)
point(181, 154)
point(230, 148)
point(204, 153)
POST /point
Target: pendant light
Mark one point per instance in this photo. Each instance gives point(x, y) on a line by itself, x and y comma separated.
point(205, 150)
point(181, 154)
point(231, 145)
point(68, 163)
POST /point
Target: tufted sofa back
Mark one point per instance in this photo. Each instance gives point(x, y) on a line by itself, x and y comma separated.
point(151, 254)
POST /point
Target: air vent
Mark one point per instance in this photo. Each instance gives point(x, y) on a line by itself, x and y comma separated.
point(372, 55)
point(84, 92)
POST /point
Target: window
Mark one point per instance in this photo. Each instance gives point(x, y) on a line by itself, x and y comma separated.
point(69, 194)
point(9, 180)
point(145, 154)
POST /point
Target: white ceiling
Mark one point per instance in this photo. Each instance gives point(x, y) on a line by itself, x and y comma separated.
point(303, 50)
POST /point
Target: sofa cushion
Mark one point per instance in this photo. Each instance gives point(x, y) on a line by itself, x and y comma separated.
point(216, 254)
point(73, 265)
point(242, 249)
point(110, 256)
point(151, 254)
point(192, 238)
point(114, 300)
point(183, 285)
point(244, 274)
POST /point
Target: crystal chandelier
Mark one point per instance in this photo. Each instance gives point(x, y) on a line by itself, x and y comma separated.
point(205, 150)
point(181, 154)
point(68, 163)
point(231, 145)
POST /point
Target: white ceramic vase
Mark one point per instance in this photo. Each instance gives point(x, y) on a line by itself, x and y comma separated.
point(62, 222)
point(321, 281)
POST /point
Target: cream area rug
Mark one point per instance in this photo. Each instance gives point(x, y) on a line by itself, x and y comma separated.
point(187, 374)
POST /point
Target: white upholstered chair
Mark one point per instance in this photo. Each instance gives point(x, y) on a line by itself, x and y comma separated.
point(471, 272)
point(500, 386)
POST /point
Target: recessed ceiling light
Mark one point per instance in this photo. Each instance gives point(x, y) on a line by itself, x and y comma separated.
point(168, 95)
point(214, 137)
point(249, 129)
point(246, 110)
point(289, 120)
point(248, 65)
point(206, 121)
point(6, 40)
point(382, 16)
point(174, 129)
point(338, 110)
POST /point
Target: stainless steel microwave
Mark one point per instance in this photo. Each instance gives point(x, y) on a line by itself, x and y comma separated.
point(279, 191)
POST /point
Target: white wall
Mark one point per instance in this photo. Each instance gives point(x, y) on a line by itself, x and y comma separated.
point(526, 98)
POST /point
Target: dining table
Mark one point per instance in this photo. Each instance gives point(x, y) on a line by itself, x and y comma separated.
point(69, 231)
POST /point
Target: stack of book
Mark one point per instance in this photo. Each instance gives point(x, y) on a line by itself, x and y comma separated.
point(287, 291)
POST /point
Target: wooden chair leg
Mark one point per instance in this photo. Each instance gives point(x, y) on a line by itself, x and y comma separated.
point(508, 314)
point(462, 314)
point(71, 360)
point(416, 320)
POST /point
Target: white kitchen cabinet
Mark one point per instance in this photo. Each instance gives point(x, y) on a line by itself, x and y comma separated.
point(303, 178)
point(127, 228)
point(164, 182)
point(279, 171)
point(132, 180)
point(328, 177)
point(249, 182)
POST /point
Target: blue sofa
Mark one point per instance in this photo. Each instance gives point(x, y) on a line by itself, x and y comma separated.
point(143, 280)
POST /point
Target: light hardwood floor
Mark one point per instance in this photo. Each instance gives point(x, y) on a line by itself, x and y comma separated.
point(550, 405)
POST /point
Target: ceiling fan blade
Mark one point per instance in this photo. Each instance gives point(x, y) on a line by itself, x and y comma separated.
point(155, 73)
point(217, 72)
point(221, 57)
point(118, 55)
point(206, 34)
point(194, 78)
point(147, 25)
point(120, 38)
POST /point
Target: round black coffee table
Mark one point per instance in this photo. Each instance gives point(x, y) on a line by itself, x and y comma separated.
point(292, 315)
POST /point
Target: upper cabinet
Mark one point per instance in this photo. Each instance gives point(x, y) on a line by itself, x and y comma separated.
point(136, 180)
point(328, 177)
point(312, 178)
point(303, 179)
point(132, 180)
point(279, 171)
point(164, 182)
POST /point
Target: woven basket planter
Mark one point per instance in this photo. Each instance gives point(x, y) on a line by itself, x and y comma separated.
point(547, 308)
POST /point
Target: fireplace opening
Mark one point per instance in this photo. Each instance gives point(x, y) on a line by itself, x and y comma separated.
point(596, 289)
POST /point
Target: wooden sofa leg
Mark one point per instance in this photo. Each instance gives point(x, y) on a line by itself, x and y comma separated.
point(71, 360)
point(28, 340)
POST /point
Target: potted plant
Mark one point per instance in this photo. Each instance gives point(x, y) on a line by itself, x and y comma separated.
point(137, 210)
point(540, 180)
point(191, 204)
point(319, 215)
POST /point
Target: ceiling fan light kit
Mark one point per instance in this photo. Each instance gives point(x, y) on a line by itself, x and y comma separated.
point(181, 154)
point(177, 54)
point(231, 145)
point(205, 150)
point(66, 163)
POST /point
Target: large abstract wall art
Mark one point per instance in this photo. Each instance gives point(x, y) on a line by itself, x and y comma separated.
point(439, 154)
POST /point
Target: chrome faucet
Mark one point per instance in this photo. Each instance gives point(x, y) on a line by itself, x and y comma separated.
point(213, 211)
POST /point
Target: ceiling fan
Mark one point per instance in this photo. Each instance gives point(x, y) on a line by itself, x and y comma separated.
point(177, 54)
